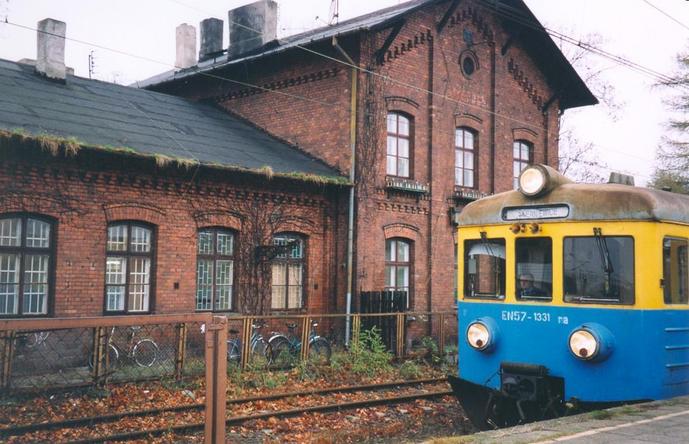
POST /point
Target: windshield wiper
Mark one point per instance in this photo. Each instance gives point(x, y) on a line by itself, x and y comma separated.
point(604, 257)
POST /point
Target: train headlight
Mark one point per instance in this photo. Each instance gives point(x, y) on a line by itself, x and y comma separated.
point(482, 334)
point(591, 342)
point(583, 344)
point(533, 180)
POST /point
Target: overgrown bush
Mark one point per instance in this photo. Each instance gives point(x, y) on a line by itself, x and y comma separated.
point(410, 370)
point(369, 355)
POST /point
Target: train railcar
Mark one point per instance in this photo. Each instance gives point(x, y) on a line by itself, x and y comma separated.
point(571, 295)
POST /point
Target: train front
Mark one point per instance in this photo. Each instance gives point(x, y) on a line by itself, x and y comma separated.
point(547, 310)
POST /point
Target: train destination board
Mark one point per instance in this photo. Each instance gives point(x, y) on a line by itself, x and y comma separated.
point(540, 212)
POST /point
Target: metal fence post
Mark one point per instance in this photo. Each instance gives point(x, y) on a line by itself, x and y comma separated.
point(400, 335)
point(7, 352)
point(216, 380)
point(181, 351)
point(246, 342)
point(305, 333)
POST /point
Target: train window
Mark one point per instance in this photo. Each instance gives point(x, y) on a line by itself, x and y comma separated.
point(675, 276)
point(599, 269)
point(534, 270)
point(484, 268)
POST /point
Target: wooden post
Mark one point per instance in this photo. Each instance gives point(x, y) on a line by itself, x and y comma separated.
point(181, 351)
point(7, 355)
point(356, 327)
point(100, 350)
point(305, 333)
point(245, 349)
point(441, 339)
point(216, 380)
point(400, 335)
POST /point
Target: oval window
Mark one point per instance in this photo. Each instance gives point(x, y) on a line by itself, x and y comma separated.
point(468, 63)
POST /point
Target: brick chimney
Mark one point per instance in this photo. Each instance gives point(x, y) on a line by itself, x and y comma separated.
point(186, 46)
point(50, 60)
point(211, 38)
point(252, 26)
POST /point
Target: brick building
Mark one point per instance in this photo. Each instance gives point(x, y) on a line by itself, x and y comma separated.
point(117, 200)
point(451, 99)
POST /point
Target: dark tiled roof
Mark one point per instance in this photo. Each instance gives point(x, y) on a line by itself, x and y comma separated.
point(104, 114)
point(564, 79)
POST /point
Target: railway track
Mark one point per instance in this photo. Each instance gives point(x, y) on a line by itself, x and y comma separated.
point(193, 411)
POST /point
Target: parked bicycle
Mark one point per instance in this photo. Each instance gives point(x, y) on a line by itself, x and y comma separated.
point(258, 348)
point(142, 351)
point(285, 348)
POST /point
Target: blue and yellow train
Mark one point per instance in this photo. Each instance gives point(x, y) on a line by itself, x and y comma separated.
point(571, 295)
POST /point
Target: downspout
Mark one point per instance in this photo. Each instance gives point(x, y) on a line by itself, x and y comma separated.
point(493, 110)
point(352, 178)
point(431, 115)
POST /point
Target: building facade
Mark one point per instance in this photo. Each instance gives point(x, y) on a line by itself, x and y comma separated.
point(441, 102)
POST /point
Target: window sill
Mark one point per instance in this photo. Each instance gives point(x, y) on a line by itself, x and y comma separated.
point(408, 185)
point(463, 193)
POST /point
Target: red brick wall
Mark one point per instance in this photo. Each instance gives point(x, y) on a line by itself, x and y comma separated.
point(502, 101)
point(84, 199)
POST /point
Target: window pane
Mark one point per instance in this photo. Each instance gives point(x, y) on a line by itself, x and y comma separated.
point(390, 250)
point(10, 232)
point(141, 239)
point(402, 281)
point(403, 126)
point(403, 167)
point(599, 269)
point(459, 158)
point(37, 234)
point(117, 238)
point(484, 268)
point(390, 276)
point(468, 160)
point(139, 283)
point(459, 176)
point(468, 140)
point(205, 241)
point(392, 146)
point(534, 271)
point(295, 288)
point(403, 148)
point(675, 272)
point(468, 178)
point(392, 123)
point(391, 166)
point(204, 284)
point(279, 276)
point(35, 291)
point(9, 283)
point(115, 298)
point(223, 284)
point(525, 152)
point(225, 243)
point(459, 138)
point(115, 270)
point(516, 169)
point(297, 251)
point(516, 150)
point(402, 251)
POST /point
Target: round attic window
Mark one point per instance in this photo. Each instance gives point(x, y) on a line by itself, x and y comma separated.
point(468, 63)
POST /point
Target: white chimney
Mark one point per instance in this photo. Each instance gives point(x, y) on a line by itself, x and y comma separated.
point(50, 61)
point(186, 46)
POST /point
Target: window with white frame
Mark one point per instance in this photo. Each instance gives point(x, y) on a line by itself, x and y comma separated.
point(26, 256)
point(288, 273)
point(215, 269)
point(128, 267)
point(399, 138)
point(465, 160)
point(522, 153)
point(398, 262)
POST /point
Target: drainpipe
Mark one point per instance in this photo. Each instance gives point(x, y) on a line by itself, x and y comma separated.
point(352, 178)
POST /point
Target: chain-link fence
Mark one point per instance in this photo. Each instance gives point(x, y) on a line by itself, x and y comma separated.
point(44, 354)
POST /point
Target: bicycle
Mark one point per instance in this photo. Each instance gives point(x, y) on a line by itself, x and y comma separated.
point(144, 352)
point(285, 347)
point(259, 347)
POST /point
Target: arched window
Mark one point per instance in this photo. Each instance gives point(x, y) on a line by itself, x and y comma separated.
point(465, 158)
point(215, 269)
point(399, 145)
point(288, 272)
point(27, 251)
point(128, 267)
point(398, 265)
point(522, 153)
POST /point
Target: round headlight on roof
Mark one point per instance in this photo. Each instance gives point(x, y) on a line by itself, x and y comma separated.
point(533, 180)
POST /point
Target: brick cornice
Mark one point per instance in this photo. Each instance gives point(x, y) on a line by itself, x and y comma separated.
point(279, 84)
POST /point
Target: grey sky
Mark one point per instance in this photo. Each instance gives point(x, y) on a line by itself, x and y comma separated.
point(146, 29)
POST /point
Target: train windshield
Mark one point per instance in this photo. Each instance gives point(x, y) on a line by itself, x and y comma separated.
point(599, 269)
point(484, 268)
point(675, 276)
point(534, 271)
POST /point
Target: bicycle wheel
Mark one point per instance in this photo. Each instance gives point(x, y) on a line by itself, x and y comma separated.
point(234, 351)
point(145, 353)
point(319, 351)
point(261, 352)
point(280, 351)
point(113, 358)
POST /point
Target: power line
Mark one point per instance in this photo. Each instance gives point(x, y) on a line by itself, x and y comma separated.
point(666, 14)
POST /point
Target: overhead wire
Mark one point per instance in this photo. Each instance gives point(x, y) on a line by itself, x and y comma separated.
point(666, 14)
